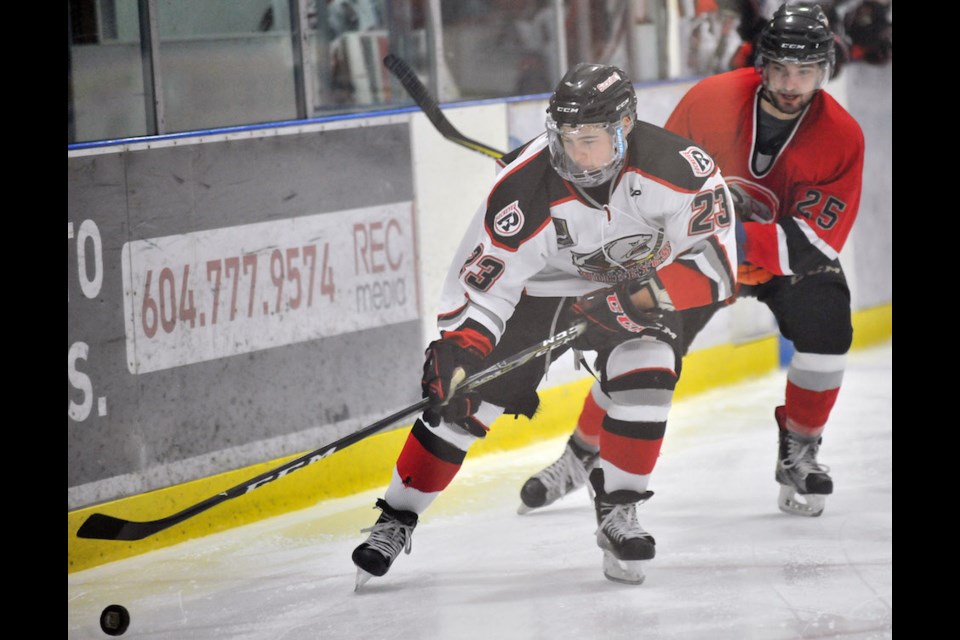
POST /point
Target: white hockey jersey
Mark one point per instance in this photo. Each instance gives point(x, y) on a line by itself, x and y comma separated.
point(669, 217)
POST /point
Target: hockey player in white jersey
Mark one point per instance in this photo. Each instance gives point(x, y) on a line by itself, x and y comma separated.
point(603, 219)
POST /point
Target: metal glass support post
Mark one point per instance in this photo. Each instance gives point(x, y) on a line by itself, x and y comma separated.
point(434, 37)
point(560, 28)
point(150, 59)
point(303, 72)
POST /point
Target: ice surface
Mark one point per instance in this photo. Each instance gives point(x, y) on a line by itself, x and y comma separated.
point(729, 565)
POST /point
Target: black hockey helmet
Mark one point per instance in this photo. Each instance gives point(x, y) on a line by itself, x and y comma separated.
point(593, 93)
point(798, 33)
point(594, 96)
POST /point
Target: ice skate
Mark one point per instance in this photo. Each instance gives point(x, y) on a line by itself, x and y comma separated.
point(568, 473)
point(626, 546)
point(392, 532)
point(804, 482)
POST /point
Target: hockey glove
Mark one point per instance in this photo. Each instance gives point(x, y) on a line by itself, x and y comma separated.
point(611, 318)
point(455, 350)
point(749, 275)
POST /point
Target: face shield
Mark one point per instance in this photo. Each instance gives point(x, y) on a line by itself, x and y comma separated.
point(588, 154)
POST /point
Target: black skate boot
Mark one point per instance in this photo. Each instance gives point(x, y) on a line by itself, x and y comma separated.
point(624, 542)
point(799, 473)
point(392, 532)
point(568, 473)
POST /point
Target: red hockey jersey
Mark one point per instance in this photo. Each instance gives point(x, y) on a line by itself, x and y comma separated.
point(802, 205)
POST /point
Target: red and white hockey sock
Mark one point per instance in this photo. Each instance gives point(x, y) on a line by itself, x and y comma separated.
point(813, 383)
point(590, 422)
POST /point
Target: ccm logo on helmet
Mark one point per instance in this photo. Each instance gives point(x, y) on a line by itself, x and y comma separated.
point(609, 81)
point(509, 220)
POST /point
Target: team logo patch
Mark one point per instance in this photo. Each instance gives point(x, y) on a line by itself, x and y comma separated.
point(753, 201)
point(563, 233)
point(509, 220)
point(701, 163)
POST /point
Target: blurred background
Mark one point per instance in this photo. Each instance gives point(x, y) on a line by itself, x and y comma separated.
point(146, 67)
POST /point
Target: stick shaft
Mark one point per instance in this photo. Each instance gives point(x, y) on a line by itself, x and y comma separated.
point(100, 526)
point(428, 104)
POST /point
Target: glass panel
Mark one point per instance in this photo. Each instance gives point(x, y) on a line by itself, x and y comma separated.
point(347, 41)
point(498, 48)
point(709, 36)
point(233, 62)
point(625, 33)
point(225, 62)
point(105, 96)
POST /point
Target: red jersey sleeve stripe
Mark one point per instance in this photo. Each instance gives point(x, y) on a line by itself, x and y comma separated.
point(762, 246)
point(687, 288)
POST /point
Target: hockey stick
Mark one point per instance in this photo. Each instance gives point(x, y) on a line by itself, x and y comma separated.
point(408, 78)
point(100, 526)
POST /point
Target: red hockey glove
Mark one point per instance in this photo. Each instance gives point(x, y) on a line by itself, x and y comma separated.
point(611, 318)
point(456, 350)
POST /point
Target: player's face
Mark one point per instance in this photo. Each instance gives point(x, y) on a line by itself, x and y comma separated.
point(790, 86)
point(589, 146)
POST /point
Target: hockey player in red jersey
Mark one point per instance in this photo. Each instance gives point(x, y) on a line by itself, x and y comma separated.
point(601, 219)
point(793, 158)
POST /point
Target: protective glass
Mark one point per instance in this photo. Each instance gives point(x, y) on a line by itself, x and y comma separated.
point(588, 154)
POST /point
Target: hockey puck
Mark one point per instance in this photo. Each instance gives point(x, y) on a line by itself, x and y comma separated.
point(114, 620)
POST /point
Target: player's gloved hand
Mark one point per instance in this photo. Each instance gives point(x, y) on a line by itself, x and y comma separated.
point(750, 274)
point(611, 318)
point(452, 354)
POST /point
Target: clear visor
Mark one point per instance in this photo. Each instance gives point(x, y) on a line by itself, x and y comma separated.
point(587, 154)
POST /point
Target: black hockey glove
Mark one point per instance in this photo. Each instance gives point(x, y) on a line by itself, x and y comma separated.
point(443, 358)
point(611, 318)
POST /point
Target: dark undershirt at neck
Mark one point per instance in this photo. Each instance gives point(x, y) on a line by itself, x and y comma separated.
point(600, 194)
point(772, 132)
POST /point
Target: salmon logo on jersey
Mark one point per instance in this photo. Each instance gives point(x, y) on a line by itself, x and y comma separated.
point(701, 163)
point(624, 258)
point(753, 202)
point(509, 220)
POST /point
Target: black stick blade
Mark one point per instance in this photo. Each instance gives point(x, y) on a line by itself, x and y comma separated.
point(103, 527)
point(99, 526)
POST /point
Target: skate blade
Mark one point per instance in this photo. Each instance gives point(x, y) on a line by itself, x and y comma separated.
point(362, 578)
point(623, 571)
point(523, 508)
point(809, 505)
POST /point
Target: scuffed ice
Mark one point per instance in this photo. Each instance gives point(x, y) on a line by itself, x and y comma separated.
point(729, 564)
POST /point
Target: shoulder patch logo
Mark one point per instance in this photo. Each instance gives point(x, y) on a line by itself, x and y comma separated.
point(563, 233)
point(701, 163)
point(509, 220)
point(753, 201)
